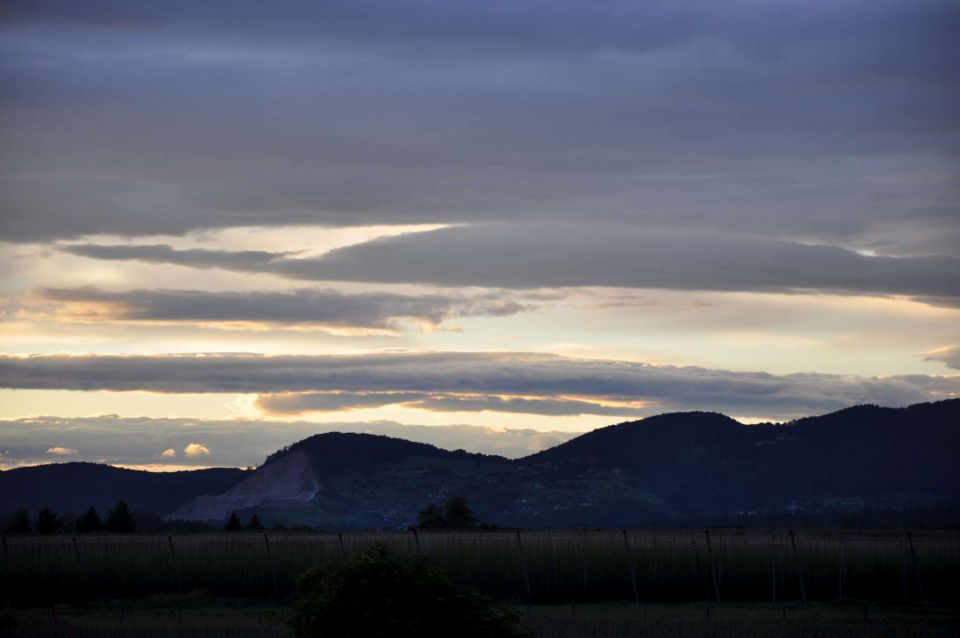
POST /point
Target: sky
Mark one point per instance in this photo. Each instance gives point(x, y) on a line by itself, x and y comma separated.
point(483, 225)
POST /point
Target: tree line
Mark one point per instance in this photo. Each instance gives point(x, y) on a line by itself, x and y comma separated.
point(453, 514)
point(233, 524)
point(118, 520)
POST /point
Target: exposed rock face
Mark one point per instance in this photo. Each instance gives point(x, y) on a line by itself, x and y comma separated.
point(287, 482)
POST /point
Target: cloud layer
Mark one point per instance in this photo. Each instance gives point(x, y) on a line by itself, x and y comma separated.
point(568, 155)
point(306, 402)
point(236, 443)
point(557, 255)
point(497, 374)
point(949, 356)
point(833, 122)
point(304, 307)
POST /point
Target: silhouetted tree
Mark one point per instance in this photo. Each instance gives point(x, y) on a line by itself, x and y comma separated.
point(48, 522)
point(453, 513)
point(120, 519)
point(431, 517)
point(89, 523)
point(233, 524)
point(19, 523)
point(378, 593)
point(254, 523)
point(458, 514)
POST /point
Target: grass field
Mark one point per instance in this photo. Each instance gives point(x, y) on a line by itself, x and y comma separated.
point(742, 621)
point(653, 566)
point(198, 616)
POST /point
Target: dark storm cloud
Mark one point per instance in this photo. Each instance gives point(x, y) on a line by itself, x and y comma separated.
point(516, 374)
point(317, 307)
point(554, 255)
point(819, 121)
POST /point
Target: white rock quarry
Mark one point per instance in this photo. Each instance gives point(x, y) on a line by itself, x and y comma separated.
point(288, 482)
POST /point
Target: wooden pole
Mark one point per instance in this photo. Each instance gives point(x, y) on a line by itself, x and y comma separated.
point(416, 538)
point(841, 568)
point(713, 574)
point(633, 573)
point(696, 554)
point(176, 563)
point(585, 554)
point(718, 561)
point(523, 569)
point(656, 561)
point(916, 568)
point(773, 568)
point(903, 570)
point(273, 570)
point(76, 556)
point(796, 559)
point(343, 551)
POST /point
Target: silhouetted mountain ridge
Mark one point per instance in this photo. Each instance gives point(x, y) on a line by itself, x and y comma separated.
point(333, 452)
point(635, 443)
point(73, 487)
point(668, 468)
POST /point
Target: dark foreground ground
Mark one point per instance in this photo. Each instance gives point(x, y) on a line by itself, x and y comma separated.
point(196, 616)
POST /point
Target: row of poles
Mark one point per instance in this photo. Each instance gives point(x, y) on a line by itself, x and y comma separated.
point(908, 552)
point(907, 549)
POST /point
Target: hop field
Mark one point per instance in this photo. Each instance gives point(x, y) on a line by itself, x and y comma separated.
point(528, 567)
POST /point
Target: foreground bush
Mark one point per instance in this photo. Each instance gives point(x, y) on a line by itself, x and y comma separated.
point(378, 593)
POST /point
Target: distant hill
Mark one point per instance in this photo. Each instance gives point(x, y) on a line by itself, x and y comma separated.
point(700, 464)
point(666, 469)
point(335, 452)
point(73, 487)
point(354, 480)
